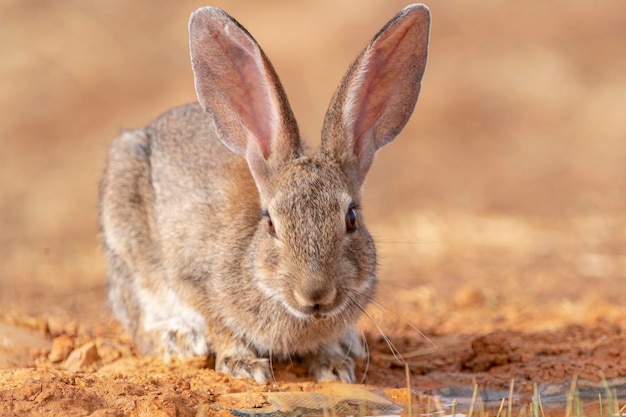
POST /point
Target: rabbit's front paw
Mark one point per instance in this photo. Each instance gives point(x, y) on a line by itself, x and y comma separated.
point(183, 340)
point(332, 368)
point(335, 361)
point(245, 365)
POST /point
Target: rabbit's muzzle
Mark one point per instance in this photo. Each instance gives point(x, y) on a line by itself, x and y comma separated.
point(315, 300)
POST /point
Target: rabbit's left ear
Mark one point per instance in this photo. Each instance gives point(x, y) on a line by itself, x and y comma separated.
point(378, 93)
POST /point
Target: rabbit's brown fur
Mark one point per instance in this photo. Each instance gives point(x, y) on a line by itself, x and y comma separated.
point(223, 236)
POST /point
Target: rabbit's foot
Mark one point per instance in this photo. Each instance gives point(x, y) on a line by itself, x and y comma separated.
point(335, 361)
point(332, 368)
point(182, 339)
point(239, 364)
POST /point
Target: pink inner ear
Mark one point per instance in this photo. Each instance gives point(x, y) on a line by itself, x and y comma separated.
point(232, 82)
point(382, 96)
point(250, 98)
point(245, 87)
point(378, 87)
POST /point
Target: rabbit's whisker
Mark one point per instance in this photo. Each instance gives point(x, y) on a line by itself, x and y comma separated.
point(394, 351)
point(364, 344)
point(367, 356)
point(384, 308)
point(350, 346)
point(407, 242)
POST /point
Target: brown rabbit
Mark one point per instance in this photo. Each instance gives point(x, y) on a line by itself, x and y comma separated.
point(223, 236)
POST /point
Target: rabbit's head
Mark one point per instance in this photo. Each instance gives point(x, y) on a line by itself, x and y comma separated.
point(315, 254)
point(312, 250)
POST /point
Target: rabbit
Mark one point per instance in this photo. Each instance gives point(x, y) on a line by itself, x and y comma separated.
point(224, 237)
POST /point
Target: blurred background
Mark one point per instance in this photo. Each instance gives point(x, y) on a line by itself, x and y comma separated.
point(506, 190)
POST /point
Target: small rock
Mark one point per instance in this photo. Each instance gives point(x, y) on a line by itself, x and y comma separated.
point(108, 352)
point(62, 346)
point(491, 351)
point(58, 326)
point(82, 357)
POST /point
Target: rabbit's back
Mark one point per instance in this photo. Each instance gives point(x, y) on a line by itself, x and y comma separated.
point(169, 197)
point(205, 200)
point(186, 154)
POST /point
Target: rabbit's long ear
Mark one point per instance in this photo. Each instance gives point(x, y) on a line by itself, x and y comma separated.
point(237, 85)
point(378, 93)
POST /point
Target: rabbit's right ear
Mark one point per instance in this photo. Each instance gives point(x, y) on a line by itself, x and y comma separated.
point(237, 85)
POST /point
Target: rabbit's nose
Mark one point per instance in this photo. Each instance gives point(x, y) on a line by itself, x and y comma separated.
point(316, 297)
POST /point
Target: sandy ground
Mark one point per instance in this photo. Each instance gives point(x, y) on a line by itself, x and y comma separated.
point(499, 213)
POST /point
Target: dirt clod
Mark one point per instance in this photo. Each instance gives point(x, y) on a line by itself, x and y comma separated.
point(495, 349)
point(82, 358)
point(62, 346)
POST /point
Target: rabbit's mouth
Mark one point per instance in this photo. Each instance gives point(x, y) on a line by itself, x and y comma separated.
point(316, 311)
point(315, 301)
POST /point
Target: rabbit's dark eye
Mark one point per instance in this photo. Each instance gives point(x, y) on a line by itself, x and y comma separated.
point(351, 220)
point(270, 227)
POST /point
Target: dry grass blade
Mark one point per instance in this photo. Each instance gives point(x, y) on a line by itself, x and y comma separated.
point(408, 389)
point(511, 398)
